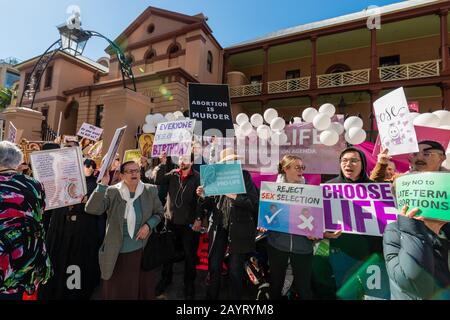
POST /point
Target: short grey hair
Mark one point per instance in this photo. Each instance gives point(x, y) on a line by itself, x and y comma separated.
point(10, 155)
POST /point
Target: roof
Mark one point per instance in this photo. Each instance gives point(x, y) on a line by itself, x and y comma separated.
point(364, 14)
point(82, 59)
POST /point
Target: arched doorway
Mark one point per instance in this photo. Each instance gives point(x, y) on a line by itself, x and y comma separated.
point(70, 117)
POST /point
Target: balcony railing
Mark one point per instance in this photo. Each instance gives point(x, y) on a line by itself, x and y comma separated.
point(342, 79)
point(288, 85)
point(245, 91)
point(410, 71)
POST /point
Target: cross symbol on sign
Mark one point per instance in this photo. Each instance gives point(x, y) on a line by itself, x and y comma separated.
point(306, 222)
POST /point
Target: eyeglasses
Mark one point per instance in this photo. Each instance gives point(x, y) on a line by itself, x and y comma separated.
point(352, 161)
point(425, 154)
point(89, 166)
point(132, 171)
point(300, 167)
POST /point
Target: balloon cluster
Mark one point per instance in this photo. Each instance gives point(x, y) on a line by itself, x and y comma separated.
point(438, 119)
point(270, 126)
point(152, 120)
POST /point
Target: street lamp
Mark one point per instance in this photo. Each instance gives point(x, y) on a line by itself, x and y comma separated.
point(73, 40)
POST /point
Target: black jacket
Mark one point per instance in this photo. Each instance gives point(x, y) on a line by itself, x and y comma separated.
point(181, 197)
point(416, 260)
point(243, 215)
point(359, 247)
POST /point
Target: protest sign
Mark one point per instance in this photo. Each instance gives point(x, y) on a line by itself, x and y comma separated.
point(90, 132)
point(146, 144)
point(70, 139)
point(174, 138)
point(61, 172)
point(360, 208)
point(395, 127)
point(222, 178)
point(12, 134)
point(210, 104)
point(132, 155)
point(303, 141)
point(428, 191)
point(291, 208)
point(111, 154)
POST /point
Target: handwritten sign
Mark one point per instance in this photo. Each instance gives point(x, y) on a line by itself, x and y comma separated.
point(174, 138)
point(90, 132)
point(394, 124)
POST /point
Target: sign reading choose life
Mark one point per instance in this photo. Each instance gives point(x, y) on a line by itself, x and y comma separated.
point(210, 105)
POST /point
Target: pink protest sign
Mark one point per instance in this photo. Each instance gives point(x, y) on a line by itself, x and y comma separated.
point(359, 208)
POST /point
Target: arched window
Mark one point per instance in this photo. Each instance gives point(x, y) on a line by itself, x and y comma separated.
point(151, 28)
point(150, 55)
point(337, 68)
point(174, 48)
point(209, 62)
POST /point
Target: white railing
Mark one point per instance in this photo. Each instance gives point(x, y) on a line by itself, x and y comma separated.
point(288, 85)
point(342, 79)
point(408, 71)
point(247, 90)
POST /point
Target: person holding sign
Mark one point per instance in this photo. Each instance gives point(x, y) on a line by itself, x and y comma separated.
point(233, 224)
point(349, 251)
point(416, 248)
point(24, 262)
point(384, 170)
point(133, 211)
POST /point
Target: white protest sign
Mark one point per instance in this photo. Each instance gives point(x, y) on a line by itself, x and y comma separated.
point(291, 208)
point(360, 208)
point(174, 138)
point(395, 127)
point(110, 155)
point(90, 132)
point(61, 172)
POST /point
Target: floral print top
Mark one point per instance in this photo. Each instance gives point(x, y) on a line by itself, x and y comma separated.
point(24, 262)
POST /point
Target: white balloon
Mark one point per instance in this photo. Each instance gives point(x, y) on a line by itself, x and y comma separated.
point(270, 114)
point(149, 118)
point(263, 132)
point(159, 118)
point(444, 127)
point(278, 138)
point(444, 117)
point(446, 164)
point(277, 124)
point(427, 120)
point(355, 135)
point(256, 120)
point(148, 128)
point(337, 126)
point(328, 109)
point(353, 122)
point(413, 115)
point(178, 115)
point(241, 118)
point(246, 128)
point(297, 120)
point(329, 137)
point(321, 121)
point(170, 116)
point(308, 114)
point(235, 126)
point(238, 133)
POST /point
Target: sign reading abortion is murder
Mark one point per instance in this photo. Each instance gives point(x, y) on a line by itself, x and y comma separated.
point(361, 208)
point(427, 191)
point(210, 104)
point(174, 138)
point(291, 208)
point(222, 178)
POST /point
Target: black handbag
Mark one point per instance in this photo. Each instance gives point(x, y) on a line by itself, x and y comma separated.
point(160, 248)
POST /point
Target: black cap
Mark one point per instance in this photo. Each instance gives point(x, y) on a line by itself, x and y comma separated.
point(50, 146)
point(90, 163)
point(433, 144)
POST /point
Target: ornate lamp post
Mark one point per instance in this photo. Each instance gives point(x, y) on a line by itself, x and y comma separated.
point(72, 40)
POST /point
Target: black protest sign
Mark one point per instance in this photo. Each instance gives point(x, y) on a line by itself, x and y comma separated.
point(210, 104)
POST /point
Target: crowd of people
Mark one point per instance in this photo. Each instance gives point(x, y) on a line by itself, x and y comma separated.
point(106, 234)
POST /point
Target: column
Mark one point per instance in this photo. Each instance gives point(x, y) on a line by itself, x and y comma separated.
point(444, 42)
point(374, 75)
point(265, 75)
point(313, 83)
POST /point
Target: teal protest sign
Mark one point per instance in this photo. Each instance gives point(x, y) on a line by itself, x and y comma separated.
point(222, 178)
point(427, 191)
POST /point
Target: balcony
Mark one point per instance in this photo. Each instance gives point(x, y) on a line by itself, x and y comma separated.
point(288, 85)
point(246, 90)
point(410, 71)
point(342, 79)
